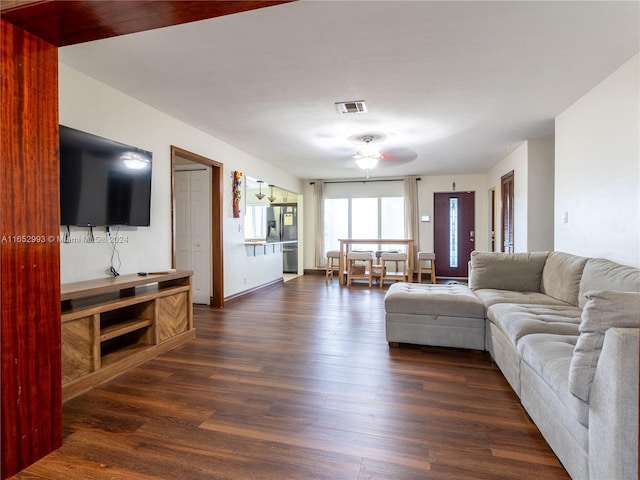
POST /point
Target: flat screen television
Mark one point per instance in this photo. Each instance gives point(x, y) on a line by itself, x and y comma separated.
point(103, 182)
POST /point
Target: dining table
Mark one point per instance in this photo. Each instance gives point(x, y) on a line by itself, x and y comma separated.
point(346, 245)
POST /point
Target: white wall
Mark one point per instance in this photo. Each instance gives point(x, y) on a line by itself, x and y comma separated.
point(540, 191)
point(597, 175)
point(91, 106)
point(532, 163)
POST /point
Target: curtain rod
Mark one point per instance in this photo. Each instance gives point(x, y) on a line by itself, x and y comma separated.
point(366, 181)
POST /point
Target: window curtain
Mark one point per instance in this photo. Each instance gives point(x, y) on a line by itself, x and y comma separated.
point(411, 214)
point(320, 253)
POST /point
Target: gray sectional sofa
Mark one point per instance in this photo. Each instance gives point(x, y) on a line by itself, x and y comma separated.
point(563, 330)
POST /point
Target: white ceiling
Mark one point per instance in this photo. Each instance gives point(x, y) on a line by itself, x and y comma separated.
point(452, 86)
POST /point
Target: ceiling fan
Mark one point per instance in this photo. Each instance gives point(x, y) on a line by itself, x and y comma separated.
point(370, 152)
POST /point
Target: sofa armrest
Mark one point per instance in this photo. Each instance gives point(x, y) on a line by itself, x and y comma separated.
point(613, 408)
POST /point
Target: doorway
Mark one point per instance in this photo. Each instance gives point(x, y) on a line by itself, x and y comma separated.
point(193, 226)
point(214, 193)
point(507, 196)
point(454, 232)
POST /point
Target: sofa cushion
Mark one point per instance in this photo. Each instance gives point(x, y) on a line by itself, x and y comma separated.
point(426, 299)
point(550, 357)
point(491, 296)
point(602, 274)
point(517, 321)
point(521, 272)
point(561, 276)
point(603, 310)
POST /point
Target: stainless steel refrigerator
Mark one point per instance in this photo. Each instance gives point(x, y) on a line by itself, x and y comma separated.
point(282, 226)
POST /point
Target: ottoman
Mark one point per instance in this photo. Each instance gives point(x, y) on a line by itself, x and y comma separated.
point(436, 315)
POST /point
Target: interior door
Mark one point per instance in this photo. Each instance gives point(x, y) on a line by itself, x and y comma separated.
point(193, 232)
point(454, 232)
point(183, 220)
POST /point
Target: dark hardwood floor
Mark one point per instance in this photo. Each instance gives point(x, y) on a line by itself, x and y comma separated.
point(298, 383)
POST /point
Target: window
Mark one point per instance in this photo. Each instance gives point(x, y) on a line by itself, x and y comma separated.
point(255, 221)
point(336, 221)
point(363, 217)
point(453, 232)
point(365, 220)
point(392, 217)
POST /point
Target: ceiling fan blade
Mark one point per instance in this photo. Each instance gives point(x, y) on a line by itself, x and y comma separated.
point(397, 156)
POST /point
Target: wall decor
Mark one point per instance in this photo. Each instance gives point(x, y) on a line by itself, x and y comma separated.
point(237, 194)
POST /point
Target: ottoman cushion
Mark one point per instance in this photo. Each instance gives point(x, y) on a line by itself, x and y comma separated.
point(425, 299)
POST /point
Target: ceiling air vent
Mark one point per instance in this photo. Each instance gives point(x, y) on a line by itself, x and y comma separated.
point(357, 106)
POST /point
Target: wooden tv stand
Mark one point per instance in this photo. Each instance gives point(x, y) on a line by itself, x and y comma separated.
point(111, 325)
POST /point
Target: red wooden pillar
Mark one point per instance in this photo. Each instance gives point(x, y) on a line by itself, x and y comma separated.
point(29, 251)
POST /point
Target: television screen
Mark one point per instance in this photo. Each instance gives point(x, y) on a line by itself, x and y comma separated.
point(103, 182)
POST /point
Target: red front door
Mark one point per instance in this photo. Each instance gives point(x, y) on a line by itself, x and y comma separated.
point(454, 232)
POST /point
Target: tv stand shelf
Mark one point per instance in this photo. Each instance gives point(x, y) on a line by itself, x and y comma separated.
point(126, 326)
point(114, 324)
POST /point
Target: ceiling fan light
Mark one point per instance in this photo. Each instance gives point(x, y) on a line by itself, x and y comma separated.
point(367, 163)
point(369, 150)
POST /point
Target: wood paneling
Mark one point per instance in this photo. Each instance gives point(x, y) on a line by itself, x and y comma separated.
point(67, 22)
point(172, 315)
point(29, 251)
point(297, 382)
point(79, 355)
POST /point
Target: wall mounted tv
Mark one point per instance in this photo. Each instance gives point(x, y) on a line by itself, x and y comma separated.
point(103, 182)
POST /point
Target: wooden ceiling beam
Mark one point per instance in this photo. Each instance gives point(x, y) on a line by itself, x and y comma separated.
point(68, 22)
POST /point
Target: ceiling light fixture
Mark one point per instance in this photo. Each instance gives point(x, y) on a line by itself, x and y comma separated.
point(260, 195)
point(367, 155)
point(271, 198)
